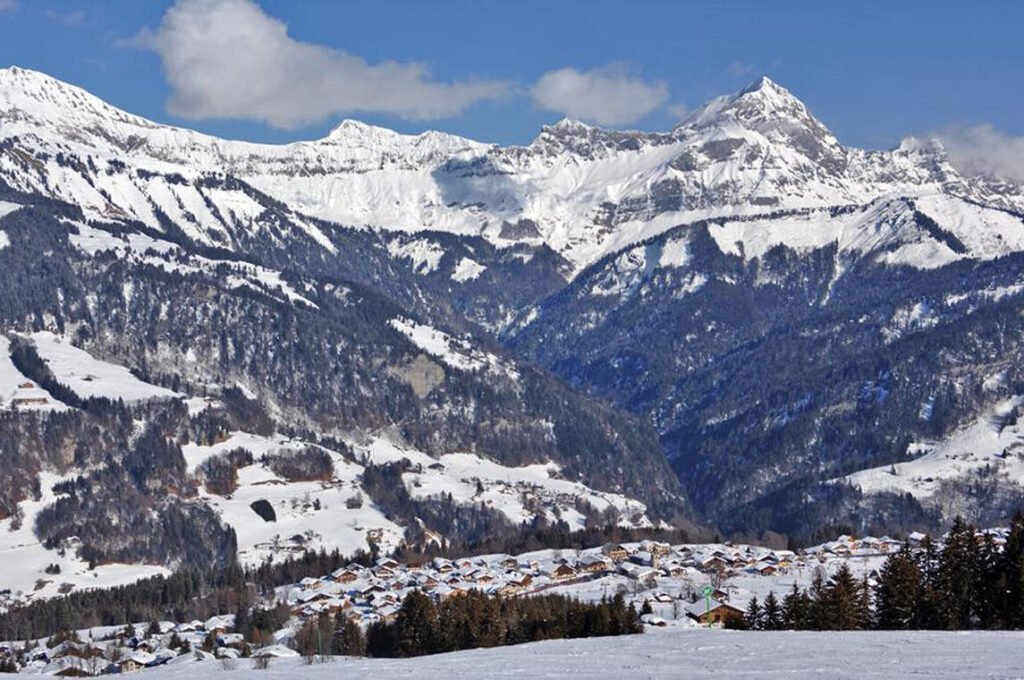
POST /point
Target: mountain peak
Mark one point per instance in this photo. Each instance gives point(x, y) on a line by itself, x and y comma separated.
point(761, 83)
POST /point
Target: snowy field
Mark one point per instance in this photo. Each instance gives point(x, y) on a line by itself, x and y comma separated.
point(89, 377)
point(679, 654)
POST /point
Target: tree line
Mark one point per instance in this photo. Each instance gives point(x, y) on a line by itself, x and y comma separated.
point(467, 621)
point(970, 582)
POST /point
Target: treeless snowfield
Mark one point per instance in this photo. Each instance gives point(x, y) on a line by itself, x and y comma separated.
point(680, 654)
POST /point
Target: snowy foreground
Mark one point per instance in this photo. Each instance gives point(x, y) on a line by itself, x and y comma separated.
point(680, 654)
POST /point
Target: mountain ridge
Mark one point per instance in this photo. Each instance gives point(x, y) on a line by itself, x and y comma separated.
point(587, 191)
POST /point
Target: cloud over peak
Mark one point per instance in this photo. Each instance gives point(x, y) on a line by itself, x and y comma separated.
point(984, 150)
point(610, 95)
point(229, 59)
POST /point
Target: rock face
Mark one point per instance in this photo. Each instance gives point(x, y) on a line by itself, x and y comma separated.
point(768, 309)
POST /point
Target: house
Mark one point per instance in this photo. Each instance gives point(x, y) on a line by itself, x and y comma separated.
point(594, 564)
point(765, 569)
point(614, 551)
point(715, 563)
point(345, 576)
point(25, 402)
point(655, 547)
point(563, 572)
point(136, 662)
point(715, 612)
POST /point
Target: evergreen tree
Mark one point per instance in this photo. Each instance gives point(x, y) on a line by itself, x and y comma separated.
point(957, 576)
point(1010, 576)
point(771, 614)
point(842, 601)
point(897, 592)
point(796, 610)
point(417, 625)
point(753, 616)
point(929, 610)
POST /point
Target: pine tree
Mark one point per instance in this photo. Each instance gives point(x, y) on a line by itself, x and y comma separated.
point(819, 610)
point(929, 610)
point(771, 614)
point(417, 625)
point(843, 600)
point(795, 609)
point(1010, 576)
point(958, 569)
point(753, 616)
point(896, 596)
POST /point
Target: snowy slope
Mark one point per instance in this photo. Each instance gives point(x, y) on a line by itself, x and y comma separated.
point(994, 442)
point(15, 386)
point(89, 377)
point(681, 654)
point(471, 479)
point(23, 559)
point(314, 511)
point(582, 190)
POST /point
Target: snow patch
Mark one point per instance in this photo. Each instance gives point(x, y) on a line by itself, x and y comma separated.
point(467, 270)
point(425, 255)
point(454, 352)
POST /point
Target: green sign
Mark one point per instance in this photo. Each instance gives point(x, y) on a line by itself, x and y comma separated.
point(707, 602)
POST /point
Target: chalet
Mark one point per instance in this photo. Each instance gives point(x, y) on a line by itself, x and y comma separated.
point(522, 582)
point(563, 572)
point(614, 551)
point(674, 569)
point(510, 563)
point(715, 563)
point(715, 612)
point(27, 402)
point(916, 538)
point(655, 547)
point(765, 568)
point(594, 564)
point(27, 386)
point(345, 576)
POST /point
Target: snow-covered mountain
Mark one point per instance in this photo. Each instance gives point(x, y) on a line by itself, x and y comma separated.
point(581, 190)
point(744, 296)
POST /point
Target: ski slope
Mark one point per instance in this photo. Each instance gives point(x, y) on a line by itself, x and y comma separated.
point(677, 654)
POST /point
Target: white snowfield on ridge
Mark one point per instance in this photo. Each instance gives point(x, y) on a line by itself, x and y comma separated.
point(581, 190)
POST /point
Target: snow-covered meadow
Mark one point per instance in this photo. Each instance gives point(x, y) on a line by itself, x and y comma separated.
point(677, 653)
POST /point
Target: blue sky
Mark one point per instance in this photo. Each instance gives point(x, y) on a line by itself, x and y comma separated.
point(496, 71)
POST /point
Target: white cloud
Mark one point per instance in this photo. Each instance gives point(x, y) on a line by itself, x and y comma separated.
point(983, 150)
point(740, 68)
point(609, 95)
point(679, 110)
point(8, 5)
point(229, 59)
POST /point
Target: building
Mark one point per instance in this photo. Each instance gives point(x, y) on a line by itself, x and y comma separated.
point(717, 613)
point(614, 551)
